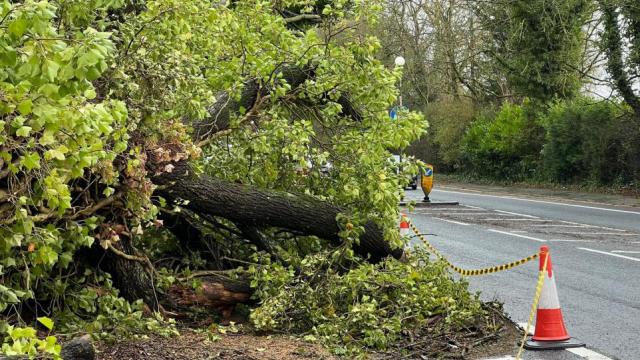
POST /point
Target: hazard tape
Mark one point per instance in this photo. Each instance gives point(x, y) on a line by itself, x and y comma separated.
point(474, 272)
point(465, 272)
point(534, 305)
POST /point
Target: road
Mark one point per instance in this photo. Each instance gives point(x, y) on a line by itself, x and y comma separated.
point(596, 258)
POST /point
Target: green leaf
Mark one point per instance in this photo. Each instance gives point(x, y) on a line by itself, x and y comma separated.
point(8, 56)
point(18, 27)
point(48, 323)
point(23, 131)
point(30, 161)
point(90, 94)
point(54, 154)
point(51, 70)
point(49, 89)
point(25, 107)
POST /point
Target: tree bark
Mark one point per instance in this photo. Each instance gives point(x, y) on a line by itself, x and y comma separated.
point(221, 111)
point(215, 292)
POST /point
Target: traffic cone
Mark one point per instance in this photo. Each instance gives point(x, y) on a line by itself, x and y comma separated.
point(550, 331)
point(404, 225)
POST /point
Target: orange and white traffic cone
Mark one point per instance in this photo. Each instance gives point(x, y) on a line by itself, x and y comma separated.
point(404, 226)
point(550, 332)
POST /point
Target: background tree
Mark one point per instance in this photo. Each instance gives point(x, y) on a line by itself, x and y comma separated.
point(540, 44)
point(621, 44)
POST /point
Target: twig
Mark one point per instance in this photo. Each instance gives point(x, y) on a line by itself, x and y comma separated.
point(301, 17)
point(99, 205)
point(121, 253)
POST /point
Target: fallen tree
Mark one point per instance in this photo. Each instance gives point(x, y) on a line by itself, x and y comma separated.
point(248, 207)
point(148, 163)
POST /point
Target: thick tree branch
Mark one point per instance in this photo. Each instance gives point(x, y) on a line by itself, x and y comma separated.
point(267, 208)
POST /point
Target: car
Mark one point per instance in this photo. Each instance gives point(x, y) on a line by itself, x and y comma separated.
point(413, 180)
point(413, 184)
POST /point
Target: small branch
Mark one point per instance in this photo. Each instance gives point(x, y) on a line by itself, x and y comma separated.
point(204, 273)
point(122, 254)
point(312, 17)
point(99, 205)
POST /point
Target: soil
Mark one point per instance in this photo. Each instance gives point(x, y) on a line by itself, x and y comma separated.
point(195, 346)
point(494, 336)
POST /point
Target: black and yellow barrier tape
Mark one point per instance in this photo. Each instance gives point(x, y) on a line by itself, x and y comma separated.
point(474, 272)
point(534, 306)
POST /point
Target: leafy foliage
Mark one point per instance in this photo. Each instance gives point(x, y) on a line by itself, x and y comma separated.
point(24, 341)
point(449, 120)
point(97, 99)
point(54, 130)
point(589, 142)
point(504, 146)
point(366, 307)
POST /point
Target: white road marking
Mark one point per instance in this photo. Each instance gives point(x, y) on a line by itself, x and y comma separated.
point(610, 254)
point(541, 201)
point(594, 226)
point(518, 214)
point(508, 357)
point(469, 213)
point(625, 252)
point(475, 207)
point(571, 240)
point(507, 219)
point(556, 225)
point(599, 233)
point(447, 209)
point(456, 211)
point(451, 221)
point(582, 351)
point(588, 354)
point(517, 235)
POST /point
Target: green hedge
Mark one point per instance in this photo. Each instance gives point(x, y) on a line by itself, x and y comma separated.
point(578, 141)
point(504, 145)
point(590, 142)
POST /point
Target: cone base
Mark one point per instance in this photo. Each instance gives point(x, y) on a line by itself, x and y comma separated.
point(552, 345)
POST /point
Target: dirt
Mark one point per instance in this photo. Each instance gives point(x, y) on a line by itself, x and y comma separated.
point(493, 336)
point(195, 346)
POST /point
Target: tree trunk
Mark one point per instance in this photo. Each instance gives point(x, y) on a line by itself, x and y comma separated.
point(132, 278)
point(268, 208)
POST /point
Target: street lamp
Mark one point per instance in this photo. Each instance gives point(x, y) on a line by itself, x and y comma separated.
point(399, 61)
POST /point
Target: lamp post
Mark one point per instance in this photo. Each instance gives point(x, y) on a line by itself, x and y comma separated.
point(399, 61)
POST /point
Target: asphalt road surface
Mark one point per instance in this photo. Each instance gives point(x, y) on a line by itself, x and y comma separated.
point(595, 251)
